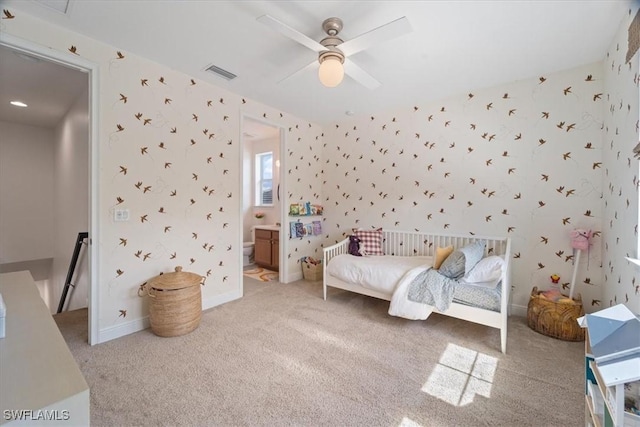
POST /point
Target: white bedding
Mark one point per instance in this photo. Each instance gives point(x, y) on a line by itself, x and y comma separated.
point(401, 306)
point(394, 278)
point(366, 272)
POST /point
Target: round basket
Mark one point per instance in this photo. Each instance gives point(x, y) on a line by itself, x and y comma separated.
point(175, 303)
point(555, 319)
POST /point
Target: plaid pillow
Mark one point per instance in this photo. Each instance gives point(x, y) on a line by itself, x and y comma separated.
point(370, 241)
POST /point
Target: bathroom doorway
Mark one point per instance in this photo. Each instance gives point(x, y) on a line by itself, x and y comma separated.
point(262, 200)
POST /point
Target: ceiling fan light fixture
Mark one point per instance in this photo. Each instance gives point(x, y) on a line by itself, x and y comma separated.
point(331, 71)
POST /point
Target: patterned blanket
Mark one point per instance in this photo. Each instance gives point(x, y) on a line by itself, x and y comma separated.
point(432, 288)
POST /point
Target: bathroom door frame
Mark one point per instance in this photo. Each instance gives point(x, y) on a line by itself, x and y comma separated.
point(283, 247)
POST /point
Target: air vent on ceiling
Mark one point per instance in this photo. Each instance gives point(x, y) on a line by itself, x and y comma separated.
point(228, 75)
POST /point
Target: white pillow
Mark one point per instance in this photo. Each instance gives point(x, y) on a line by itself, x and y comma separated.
point(489, 285)
point(488, 269)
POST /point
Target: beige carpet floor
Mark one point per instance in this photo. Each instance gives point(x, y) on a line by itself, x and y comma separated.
point(282, 356)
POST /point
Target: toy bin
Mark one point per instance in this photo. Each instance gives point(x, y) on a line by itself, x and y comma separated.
point(311, 269)
point(555, 317)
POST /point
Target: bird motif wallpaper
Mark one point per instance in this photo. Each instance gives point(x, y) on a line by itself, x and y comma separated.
point(170, 154)
point(621, 170)
point(532, 159)
point(522, 160)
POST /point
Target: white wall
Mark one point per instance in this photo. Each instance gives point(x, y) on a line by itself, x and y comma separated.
point(71, 205)
point(272, 214)
point(26, 193)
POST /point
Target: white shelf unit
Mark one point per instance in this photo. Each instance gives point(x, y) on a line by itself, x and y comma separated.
point(607, 373)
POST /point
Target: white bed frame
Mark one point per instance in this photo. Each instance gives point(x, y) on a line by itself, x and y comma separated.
point(409, 243)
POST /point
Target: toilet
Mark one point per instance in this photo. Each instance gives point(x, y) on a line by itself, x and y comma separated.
point(247, 253)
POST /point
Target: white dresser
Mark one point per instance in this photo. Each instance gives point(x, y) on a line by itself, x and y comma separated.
point(40, 382)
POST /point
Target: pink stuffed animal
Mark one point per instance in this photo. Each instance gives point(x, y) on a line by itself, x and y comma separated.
point(580, 239)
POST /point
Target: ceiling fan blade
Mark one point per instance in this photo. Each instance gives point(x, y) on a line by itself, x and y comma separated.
point(293, 34)
point(359, 75)
point(393, 29)
point(312, 65)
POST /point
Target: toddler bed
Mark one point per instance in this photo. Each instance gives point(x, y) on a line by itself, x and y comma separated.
point(398, 266)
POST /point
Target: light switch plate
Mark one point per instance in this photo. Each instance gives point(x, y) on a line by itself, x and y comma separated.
point(120, 215)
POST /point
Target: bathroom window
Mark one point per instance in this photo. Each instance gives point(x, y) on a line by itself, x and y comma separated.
point(264, 179)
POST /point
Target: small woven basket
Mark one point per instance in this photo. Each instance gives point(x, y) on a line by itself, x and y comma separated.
point(312, 272)
point(175, 303)
point(555, 319)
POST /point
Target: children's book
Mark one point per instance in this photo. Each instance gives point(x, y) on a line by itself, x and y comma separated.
point(317, 228)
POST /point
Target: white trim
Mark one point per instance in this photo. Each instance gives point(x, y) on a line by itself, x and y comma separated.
point(122, 329)
point(284, 210)
point(217, 300)
point(94, 193)
point(84, 65)
point(518, 310)
point(294, 277)
point(137, 325)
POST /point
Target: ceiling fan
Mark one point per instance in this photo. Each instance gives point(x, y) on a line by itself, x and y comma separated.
point(333, 52)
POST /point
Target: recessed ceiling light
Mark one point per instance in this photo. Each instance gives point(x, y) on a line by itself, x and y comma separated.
point(18, 103)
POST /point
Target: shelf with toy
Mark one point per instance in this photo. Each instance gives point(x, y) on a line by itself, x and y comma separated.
point(305, 209)
point(298, 229)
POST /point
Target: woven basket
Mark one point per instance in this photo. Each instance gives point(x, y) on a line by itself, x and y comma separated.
point(312, 272)
point(175, 303)
point(555, 319)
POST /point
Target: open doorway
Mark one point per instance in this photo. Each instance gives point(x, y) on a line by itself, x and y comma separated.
point(46, 175)
point(262, 200)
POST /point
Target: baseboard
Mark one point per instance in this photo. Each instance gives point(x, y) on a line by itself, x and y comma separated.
point(221, 299)
point(518, 310)
point(293, 277)
point(113, 332)
point(136, 325)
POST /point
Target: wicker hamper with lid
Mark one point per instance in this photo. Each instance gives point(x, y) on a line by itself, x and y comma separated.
point(175, 302)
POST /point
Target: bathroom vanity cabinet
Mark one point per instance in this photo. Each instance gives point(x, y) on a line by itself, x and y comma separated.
point(267, 248)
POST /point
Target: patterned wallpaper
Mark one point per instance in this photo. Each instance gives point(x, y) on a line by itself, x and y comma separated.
point(170, 154)
point(522, 160)
point(620, 136)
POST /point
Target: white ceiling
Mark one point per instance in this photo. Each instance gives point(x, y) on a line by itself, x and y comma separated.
point(455, 46)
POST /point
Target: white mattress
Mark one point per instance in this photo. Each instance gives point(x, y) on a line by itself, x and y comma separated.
point(366, 272)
